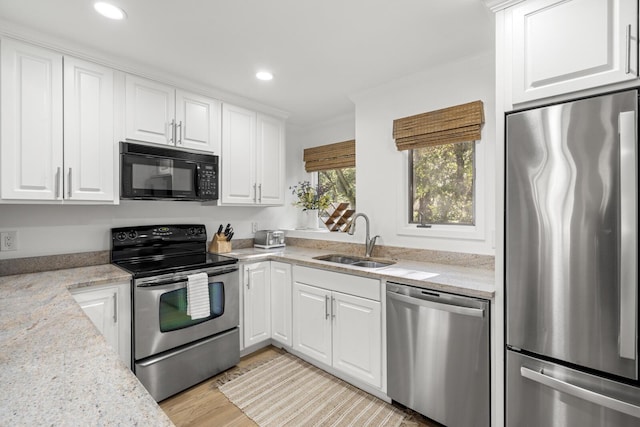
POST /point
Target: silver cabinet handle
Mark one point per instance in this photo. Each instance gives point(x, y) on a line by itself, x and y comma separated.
point(581, 393)
point(457, 309)
point(255, 193)
point(627, 68)
point(57, 184)
point(333, 313)
point(70, 185)
point(172, 132)
point(628, 231)
point(326, 306)
point(247, 278)
point(115, 307)
point(260, 190)
point(179, 135)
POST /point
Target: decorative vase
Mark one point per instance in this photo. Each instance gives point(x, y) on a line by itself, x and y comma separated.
point(311, 219)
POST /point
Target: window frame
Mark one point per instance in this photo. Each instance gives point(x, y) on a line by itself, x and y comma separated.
point(446, 231)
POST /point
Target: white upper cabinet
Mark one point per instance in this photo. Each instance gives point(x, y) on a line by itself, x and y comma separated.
point(238, 162)
point(252, 158)
point(271, 160)
point(161, 114)
point(37, 162)
point(198, 122)
point(150, 111)
point(88, 131)
point(562, 46)
point(31, 144)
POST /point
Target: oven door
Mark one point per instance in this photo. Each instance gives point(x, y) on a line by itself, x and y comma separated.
point(160, 314)
point(149, 177)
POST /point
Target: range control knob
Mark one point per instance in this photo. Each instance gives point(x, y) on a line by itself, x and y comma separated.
point(133, 234)
point(121, 236)
point(191, 231)
point(200, 230)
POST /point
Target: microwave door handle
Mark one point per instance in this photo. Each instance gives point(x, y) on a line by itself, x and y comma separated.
point(628, 232)
point(196, 181)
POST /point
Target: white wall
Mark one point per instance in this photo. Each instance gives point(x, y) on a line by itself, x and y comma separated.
point(381, 171)
point(47, 230)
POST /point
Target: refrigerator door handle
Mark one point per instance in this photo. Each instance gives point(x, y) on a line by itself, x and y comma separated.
point(581, 393)
point(628, 232)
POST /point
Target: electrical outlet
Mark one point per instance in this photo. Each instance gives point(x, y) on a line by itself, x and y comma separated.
point(9, 241)
point(254, 227)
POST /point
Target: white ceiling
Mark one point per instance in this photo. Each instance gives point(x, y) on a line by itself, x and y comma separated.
point(320, 52)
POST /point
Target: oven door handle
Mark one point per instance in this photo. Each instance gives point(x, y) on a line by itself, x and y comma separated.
point(165, 285)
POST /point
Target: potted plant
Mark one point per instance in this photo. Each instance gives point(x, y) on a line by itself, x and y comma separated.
point(311, 201)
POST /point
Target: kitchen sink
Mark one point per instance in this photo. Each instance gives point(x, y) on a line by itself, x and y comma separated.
point(355, 261)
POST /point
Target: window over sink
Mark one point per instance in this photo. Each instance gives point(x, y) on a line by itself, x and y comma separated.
point(441, 148)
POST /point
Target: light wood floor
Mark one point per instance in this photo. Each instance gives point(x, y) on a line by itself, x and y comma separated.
point(204, 405)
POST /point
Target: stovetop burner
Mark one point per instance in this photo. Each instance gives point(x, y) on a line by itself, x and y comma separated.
point(159, 249)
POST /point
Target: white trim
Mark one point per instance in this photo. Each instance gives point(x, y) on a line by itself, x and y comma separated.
point(463, 232)
point(497, 5)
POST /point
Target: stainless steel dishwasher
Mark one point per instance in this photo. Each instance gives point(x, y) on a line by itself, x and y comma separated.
point(438, 355)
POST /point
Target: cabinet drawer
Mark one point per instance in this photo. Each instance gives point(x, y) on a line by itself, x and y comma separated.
point(346, 283)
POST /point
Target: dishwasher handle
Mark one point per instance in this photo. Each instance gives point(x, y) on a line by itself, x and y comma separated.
point(457, 309)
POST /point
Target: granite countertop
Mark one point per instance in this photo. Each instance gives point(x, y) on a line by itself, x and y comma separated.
point(472, 282)
point(55, 367)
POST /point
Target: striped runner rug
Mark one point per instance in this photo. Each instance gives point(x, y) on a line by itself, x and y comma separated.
point(288, 391)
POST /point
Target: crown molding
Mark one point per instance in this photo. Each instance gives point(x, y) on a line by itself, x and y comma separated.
point(496, 5)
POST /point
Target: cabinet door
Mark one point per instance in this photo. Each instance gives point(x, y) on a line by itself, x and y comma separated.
point(281, 305)
point(109, 308)
point(357, 337)
point(270, 160)
point(31, 135)
point(89, 147)
point(238, 160)
point(561, 46)
point(150, 111)
point(257, 303)
point(198, 122)
point(312, 322)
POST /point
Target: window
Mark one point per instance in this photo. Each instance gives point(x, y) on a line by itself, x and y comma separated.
point(441, 146)
point(336, 167)
point(441, 182)
point(339, 184)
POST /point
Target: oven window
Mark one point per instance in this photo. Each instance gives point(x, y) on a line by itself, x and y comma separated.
point(173, 308)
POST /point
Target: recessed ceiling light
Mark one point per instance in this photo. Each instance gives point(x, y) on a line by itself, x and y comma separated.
point(109, 11)
point(264, 75)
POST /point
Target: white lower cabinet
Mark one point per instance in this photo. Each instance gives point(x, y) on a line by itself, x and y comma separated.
point(256, 302)
point(338, 329)
point(109, 308)
point(281, 284)
point(266, 303)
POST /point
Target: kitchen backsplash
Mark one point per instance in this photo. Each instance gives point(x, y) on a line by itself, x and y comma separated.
point(83, 259)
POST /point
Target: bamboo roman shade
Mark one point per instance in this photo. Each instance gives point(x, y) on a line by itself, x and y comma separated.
point(331, 156)
point(447, 126)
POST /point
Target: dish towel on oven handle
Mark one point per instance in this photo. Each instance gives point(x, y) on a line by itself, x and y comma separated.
point(198, 306)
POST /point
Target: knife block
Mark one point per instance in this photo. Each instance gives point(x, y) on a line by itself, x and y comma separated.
point(219, 244)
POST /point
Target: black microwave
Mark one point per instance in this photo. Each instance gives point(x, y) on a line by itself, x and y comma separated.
point(159, 173)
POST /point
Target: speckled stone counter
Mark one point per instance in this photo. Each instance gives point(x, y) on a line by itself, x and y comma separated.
point(55, 367)
point(473, 282)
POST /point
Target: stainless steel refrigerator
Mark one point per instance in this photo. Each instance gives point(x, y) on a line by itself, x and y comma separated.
point(571, 264)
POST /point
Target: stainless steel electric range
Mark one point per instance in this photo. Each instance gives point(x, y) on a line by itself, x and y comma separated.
point(173, 348)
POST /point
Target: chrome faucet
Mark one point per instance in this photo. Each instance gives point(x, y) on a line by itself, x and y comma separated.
point(368, 243)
